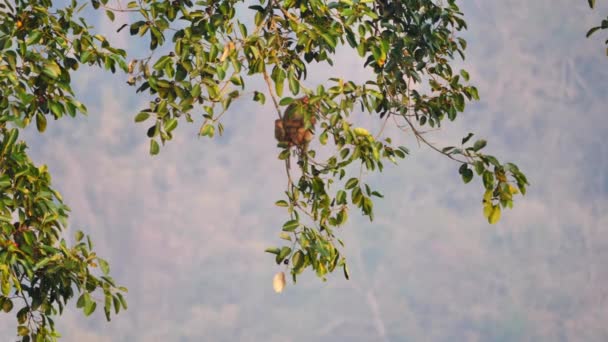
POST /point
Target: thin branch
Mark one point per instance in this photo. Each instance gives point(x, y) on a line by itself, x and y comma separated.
point(426, 142)
point(274, 100)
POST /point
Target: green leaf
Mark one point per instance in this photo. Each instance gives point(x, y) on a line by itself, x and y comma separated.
point(259, 97)
point(154, 147)
point(207, 130)
point(297, 260)
point(51, 69)
point(351, 183)
point(291, 225)
point(122, 300)
point(33, 37)
point(459, 102)
point(330, 40)
point(467, 175)
point(105, 267)
point(285, 101)
point(8, 143)
point(170, 125)
point(377, 194)
point(465, 75)
point(294, 84)
point(56, 108)
point(142, 116)
point(116, 303)
point(281, 203)
point(237, 80)
point(278, 87)
point(272, 250)
point(85, 56)
point(107, 307)
point(323, 138)
point(344, 153)
point(81, 301)
point(341, 197)
point(479, 167)
point(110, 15)
point(5, 181)
point(465, 139)
point(488, 180)
point(592, 30)
point(40, 122)
point(6, 287)
point(375, 152)
point(479, 144)
point(591, 3)
point(285, 251)
point(22, 314)
point(41, 263)
point(89, 307)
point(161, 62)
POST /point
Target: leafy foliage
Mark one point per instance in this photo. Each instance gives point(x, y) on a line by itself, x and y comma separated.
point(405, 44)
point(200, 56)
point(39, 272)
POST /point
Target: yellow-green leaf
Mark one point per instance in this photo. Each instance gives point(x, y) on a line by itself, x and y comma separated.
point(22, 330)
point(291, 225)
point(297, 260)
point(40, 122)
point(7, 306)
point(154, 147)
point(281, 203)
point(494, 215)
point(487, 210)
point(52, 70)
point(142, 116)
point(361, 132)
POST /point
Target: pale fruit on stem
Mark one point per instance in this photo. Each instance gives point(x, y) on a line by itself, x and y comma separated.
point(278, 282)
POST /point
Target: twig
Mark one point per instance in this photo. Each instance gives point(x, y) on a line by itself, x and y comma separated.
point(426, 142)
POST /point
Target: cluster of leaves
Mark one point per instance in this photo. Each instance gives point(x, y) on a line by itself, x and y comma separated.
point(602, 26)
point(199, 57)
point(499, 189)
point(39, 273)
point(408, 45)
point(314, 242)
point(40, 47)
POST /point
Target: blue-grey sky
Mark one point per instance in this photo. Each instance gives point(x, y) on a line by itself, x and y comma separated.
point(185, 231)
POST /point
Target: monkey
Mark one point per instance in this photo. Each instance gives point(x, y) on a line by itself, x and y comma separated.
point(279, 131)
point(295, 128)
point(291, 129)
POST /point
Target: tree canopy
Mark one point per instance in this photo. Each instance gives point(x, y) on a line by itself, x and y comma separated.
point(202, 57)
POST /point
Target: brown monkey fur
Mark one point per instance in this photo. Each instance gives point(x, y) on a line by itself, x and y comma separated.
point(291, 129)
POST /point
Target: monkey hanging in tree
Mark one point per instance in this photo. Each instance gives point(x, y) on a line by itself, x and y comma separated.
point(296, 126)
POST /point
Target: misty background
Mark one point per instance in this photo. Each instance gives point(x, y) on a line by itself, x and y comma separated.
point(185, 231)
